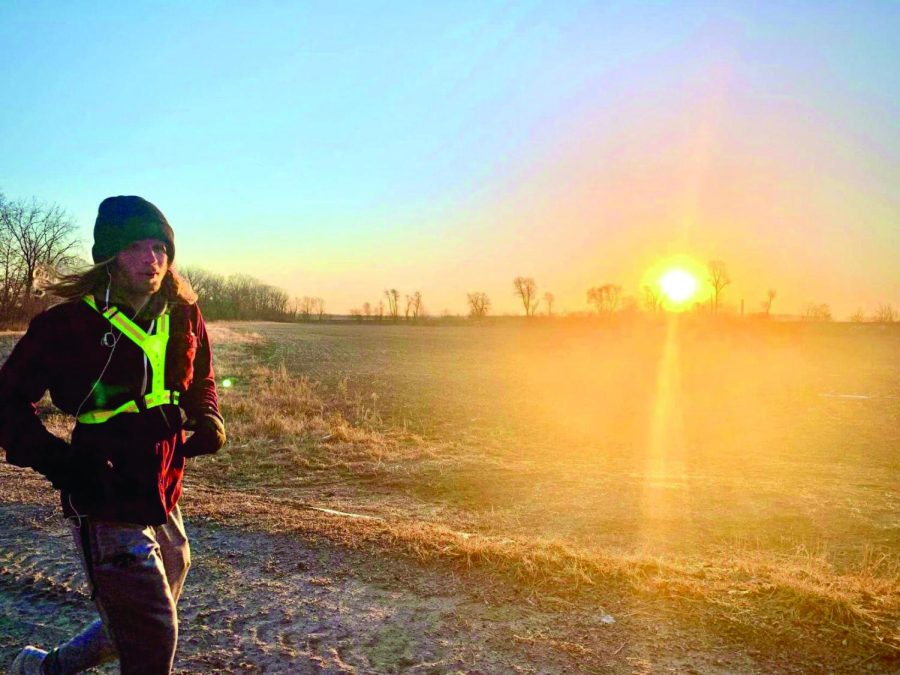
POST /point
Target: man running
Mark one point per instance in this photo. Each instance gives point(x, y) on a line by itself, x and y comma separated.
point(128, 356)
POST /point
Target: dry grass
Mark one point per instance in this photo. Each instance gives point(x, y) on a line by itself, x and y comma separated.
point(794, 602)
point(289, 433)
point(286, 430)
point(759, 594)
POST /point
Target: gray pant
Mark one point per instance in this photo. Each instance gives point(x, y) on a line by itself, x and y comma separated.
point(137, 573)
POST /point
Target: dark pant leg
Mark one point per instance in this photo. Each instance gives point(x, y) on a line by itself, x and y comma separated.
point(134, 597)
point(90, 648)
point(93, 647)
point(175, 551)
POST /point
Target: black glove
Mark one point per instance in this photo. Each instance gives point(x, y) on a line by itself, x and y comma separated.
point(208, 436)
point(67, 477)
point(73, 471)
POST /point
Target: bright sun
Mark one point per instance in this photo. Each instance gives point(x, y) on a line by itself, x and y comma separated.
point(675, 283)
point(679, 285)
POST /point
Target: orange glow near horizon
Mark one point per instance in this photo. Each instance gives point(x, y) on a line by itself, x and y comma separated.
point(679, 282)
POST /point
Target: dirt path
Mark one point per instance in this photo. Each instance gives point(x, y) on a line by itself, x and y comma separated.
point(262, 601)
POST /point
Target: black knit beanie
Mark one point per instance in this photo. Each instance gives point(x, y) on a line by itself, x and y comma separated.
point(124, 220)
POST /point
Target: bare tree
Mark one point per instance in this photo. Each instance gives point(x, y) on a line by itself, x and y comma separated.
point(306, 307)
point(12, 278)
point(858, 316)
point(416, 305)
point(605, 298)
point(817, 312)
point(293, 308)
point(718, 279)
point(393, 298)
point(238, 296)
point(33, 235)
point(367, 309)
point(379, 310)
point(614, 295)
point(479, 305)
point(767, 303)
point(42, 235)
point(206, 285)
point(218, 300)
point(548, 300)
point(886, 314)
point(526, 289)
point(319, 308)
point(652, 300)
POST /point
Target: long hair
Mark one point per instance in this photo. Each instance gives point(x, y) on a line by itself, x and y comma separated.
point(94, 280)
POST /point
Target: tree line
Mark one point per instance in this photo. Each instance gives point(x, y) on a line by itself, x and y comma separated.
point(241, 297)
point(412, 307)
point(609, 298)
point(37, 239)
point(237, 296)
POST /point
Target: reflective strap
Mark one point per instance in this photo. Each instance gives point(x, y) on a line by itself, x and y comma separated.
point(151, 400)
point(154, 347)
point(161, 397)
point(130, 329)
point(99, 416)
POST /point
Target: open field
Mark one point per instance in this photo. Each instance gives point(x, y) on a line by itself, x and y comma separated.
point(752, 466)
point(641, 439)
point(733, 482)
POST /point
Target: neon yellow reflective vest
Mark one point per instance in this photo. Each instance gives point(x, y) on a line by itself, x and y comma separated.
point(154, 348)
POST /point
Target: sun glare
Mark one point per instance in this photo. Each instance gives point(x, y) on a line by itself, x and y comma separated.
point(676, 283)
point(679, 285)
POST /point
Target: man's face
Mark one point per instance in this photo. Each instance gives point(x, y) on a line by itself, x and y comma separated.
point(141, 266)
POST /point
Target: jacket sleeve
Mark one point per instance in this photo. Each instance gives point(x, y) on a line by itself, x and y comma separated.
point(202, 397)
point(23, 382)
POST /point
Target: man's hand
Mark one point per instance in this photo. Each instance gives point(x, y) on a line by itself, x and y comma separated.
point(77, 472)
point(208, 437)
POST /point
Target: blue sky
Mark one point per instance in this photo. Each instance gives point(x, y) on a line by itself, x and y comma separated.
point(337, 149)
